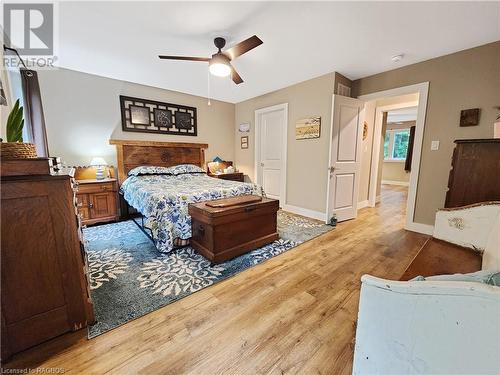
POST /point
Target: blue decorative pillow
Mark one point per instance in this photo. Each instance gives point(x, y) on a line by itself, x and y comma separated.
point(148, 169)
point(185, 168)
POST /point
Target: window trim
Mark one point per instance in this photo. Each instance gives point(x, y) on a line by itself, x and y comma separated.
point(392, 133)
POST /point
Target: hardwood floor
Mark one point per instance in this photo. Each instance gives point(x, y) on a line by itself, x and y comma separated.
point(295, 313)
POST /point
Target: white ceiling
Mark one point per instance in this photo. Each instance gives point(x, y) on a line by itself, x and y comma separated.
point(403, 114)
point(301, 40)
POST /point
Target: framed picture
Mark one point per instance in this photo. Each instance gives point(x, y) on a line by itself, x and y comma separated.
point(469, 117)
point(183, 120)
point(244, 142)
point(150, 116)
point(163, 118)
point(139, 115)
point(308, 128)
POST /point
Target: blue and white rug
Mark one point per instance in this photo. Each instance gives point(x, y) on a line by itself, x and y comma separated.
point(130, 278)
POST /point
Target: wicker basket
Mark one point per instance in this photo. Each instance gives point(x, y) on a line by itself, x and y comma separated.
point(17, 150)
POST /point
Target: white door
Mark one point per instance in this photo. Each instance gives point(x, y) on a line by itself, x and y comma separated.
point(270, 150)
point(345, 153)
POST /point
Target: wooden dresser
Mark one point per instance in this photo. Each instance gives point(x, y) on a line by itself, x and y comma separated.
point(44, 281)
point(475, 172)
point(97, 200)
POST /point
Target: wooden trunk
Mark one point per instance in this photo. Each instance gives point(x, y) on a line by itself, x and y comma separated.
point(475, 173)
point(43, 264)
point(222, 233)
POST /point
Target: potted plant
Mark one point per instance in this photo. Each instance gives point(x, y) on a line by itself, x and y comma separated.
point(496, 126)
point(14, 148)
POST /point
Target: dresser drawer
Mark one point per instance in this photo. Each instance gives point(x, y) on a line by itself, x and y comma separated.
point(97, 188)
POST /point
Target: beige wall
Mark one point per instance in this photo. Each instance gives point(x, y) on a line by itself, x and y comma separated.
point(307, 159)
point(82, 112)
point(394, 171)
point(466, 79)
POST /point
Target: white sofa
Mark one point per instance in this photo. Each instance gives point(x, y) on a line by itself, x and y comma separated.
point(435, 327)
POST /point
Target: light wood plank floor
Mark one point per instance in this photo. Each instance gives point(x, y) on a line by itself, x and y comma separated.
point(295, 313)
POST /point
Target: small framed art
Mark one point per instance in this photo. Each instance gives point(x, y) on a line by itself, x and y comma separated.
point(244, 142)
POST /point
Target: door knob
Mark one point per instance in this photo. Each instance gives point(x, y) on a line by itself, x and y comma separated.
point(331, 169)
point(261, 164)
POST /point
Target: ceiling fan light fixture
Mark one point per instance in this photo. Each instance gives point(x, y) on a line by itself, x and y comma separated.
point(220, 70)
point(219, 66)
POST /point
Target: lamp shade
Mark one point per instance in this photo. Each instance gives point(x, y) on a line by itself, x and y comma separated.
point(98, 162)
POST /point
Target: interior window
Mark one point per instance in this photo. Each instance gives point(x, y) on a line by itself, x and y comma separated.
point(396, 144)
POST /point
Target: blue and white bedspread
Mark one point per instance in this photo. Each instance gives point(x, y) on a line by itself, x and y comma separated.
point(164, 199)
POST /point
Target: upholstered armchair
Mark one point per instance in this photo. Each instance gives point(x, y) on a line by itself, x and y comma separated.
point(438, 327)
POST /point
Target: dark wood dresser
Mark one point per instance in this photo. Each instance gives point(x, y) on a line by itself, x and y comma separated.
point(97, 200)
point(475, 172)
point(44, 280)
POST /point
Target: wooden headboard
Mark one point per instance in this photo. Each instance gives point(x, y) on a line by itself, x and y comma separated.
point(131, 154)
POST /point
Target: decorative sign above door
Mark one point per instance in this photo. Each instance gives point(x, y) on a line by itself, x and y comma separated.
point(149, 116)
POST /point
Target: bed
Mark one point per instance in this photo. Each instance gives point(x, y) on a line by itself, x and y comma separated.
point(161, 195)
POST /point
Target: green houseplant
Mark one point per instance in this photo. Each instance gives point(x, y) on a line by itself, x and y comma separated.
point(15, 124)
point(14, 148)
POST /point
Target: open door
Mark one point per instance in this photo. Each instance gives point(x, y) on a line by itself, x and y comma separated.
point(345, 154)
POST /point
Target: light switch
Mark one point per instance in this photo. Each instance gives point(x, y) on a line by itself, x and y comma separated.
point(434, 145)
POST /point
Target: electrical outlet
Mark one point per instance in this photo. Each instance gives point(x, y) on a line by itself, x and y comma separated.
point(434, 145)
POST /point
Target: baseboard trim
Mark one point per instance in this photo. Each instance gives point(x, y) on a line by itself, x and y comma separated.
point(420, 228)
point(398, 183)
point(305, 212)
point(363, 204)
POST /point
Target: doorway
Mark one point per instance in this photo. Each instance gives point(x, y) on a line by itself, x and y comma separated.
point(383, 103)
point(271, 125)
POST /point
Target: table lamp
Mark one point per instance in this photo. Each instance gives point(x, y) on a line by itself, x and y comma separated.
point(99, 164)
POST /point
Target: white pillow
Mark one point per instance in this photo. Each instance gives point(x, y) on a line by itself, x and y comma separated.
point(491, 254)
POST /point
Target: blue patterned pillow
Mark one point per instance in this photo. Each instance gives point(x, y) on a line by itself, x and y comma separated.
point(148, 169)
point(185, 168)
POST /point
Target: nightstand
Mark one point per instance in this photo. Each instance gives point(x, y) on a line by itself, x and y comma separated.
point(236, 176)
point(96, 200)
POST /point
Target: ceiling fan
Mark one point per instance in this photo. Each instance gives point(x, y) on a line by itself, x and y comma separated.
point(220, 63)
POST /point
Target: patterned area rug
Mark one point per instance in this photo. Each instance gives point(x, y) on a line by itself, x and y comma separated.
point(130, 278)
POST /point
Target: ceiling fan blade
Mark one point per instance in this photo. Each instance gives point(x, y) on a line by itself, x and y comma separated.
point(243, 47)
point(188, 58)
point(235, 76)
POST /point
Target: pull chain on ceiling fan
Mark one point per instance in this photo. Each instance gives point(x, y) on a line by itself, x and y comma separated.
point(220, 63)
